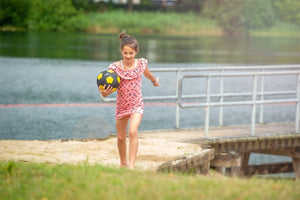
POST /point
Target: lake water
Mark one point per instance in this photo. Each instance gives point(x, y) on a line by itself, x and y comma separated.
point(55, 71)
point(202, 49)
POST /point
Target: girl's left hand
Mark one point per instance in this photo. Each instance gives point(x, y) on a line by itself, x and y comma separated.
point(106, 91)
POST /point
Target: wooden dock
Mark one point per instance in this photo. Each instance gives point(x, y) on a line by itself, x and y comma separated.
point(228, 149)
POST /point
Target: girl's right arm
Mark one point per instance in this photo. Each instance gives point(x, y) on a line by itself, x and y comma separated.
point(106, 91)
point(149, 75)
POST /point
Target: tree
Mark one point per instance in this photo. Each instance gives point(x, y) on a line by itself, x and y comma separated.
point(231, 18)
point(259, 14)
point(211, 8)
point(288, 10)
point(130, 5)
point(240, 16)
point(14, 13)
point(54, 15)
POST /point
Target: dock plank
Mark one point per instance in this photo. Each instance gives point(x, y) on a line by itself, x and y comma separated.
point(196, 135)
point(275, 138)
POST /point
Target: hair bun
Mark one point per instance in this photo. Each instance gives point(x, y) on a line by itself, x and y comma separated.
point(122, 35)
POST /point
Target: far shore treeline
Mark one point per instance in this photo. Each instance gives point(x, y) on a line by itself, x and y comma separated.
point(188, 17)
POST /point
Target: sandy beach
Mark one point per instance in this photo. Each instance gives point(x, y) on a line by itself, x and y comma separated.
point(155, 148)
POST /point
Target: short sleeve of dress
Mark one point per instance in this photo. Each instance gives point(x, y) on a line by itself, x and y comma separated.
point(142, 64)
point(112, 67)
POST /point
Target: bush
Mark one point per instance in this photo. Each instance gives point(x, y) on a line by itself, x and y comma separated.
point(231, 16)
point(236, 16)
point(55, 15)
point(259, 14)
point(14, 12)
point(288, 10)
point(211, 9)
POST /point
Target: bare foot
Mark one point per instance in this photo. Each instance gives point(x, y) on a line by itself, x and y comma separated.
point(123, 165)
point(131, 167)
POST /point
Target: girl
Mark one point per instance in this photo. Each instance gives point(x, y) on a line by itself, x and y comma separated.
point(130, 105)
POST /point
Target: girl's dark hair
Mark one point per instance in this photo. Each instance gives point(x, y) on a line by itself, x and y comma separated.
point(128, 40)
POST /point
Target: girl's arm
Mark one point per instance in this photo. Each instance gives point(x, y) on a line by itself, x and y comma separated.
point(150, 76)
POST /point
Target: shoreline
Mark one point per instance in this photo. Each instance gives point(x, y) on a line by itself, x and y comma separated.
point(169, 34)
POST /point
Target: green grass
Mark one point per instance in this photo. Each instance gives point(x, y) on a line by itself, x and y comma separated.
point(46, 181)
point(178, 24)
point(279, 29)
point(151, 23)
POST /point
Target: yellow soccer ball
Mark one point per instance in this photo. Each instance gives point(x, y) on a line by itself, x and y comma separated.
point(108, 77)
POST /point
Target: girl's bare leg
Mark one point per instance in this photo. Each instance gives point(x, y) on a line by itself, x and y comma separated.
point(135, 120)
point(121, 126)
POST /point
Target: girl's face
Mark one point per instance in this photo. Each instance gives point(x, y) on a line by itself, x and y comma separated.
point(128, 54)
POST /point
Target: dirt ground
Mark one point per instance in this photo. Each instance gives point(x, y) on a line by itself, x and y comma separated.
point(154, 149)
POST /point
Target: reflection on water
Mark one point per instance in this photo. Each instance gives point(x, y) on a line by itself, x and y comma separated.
point(202, 49)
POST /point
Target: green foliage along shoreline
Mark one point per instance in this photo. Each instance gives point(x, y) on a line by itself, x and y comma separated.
point(249, 17)
point(151, 23)
point(19, 180)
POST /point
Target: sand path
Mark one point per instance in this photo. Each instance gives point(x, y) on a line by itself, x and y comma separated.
point(155, 148)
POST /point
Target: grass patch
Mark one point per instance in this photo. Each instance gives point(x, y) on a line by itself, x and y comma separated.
point(178, 24)
point(151, 23)
point(46, 181)
point(280, 29)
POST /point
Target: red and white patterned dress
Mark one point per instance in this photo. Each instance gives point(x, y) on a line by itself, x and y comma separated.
point(129, 98)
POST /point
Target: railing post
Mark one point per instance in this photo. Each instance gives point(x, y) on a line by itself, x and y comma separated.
point(177, 115)
point(253, 104)
point(207, 107)
point(221, 99)
point(297, 104)
point(262, 96)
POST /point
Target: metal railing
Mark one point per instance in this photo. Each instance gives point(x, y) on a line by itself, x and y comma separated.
point(253, 102)
point(221, 73)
